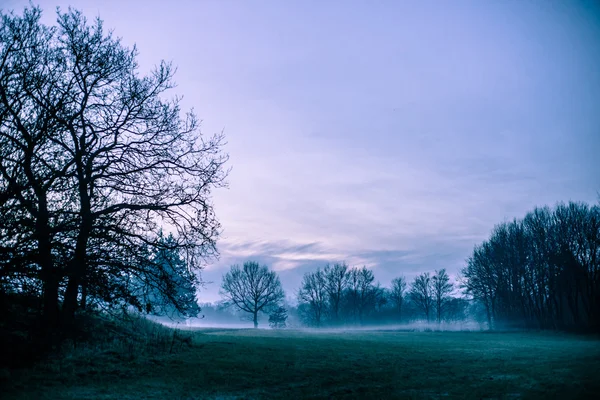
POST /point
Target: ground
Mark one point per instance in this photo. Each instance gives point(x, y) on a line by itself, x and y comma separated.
point(289, 364)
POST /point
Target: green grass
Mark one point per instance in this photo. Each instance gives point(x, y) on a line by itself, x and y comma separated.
point(248, 364)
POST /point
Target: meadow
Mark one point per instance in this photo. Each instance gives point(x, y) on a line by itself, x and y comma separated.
point(294, 364)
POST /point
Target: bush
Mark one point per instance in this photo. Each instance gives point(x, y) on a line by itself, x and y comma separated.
point(278, 318)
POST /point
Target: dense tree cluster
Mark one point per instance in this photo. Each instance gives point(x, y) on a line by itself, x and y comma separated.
point(340, 295)
point(95, 160)
point(542, 271)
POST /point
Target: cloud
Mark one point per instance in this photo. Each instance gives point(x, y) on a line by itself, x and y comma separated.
point(393, 137)
point(292, 259)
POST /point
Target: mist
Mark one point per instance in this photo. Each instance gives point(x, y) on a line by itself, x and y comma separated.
point(299, 199)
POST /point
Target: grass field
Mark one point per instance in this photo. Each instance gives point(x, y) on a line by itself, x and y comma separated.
point(248, 364)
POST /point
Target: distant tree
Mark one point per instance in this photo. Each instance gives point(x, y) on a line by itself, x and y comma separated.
point(336, 278)
point(252, 288)
point(278, 318)
point(481, 280)
point(456, 309)
point(361, 292)
point(541, 271)
point(313, 293)
point(441, 291)
point(380, 297)
point(397, 294)
point(421, 293)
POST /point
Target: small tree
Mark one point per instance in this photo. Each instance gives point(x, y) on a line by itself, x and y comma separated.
point(252, 288)
point(278, 318)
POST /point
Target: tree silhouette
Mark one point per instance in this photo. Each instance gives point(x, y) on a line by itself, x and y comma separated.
point(94, 161)
point(441, 291)
point(313, 293)
point(397, 294)
point(421, 293)
point(542, 271)
point(252, 288)
point(361, 292)
point(336, 278)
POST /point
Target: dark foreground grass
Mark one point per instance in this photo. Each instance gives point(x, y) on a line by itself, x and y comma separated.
point(248, 364)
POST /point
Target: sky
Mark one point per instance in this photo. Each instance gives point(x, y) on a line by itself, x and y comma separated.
point(391, 134)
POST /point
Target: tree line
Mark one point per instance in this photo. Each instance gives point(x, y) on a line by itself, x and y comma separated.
point(96, 159)
point(539, 272)
point(542, 271)
point(339, 295)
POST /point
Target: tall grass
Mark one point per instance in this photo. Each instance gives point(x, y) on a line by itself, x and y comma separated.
point(130, 335)
point(111, 345)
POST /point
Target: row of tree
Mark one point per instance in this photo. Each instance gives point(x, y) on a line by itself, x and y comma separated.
point(542, 271)
point(95, 160)
point(339, 295)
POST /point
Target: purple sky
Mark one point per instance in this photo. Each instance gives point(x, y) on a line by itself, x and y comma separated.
point(392, 134)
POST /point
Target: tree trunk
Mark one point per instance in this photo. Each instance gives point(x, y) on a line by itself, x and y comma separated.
point(76, 273)
point(49, 308)
point(77, 267)
point(255, 319)
point(70, 302)
point(49, 274)
point(83, 304)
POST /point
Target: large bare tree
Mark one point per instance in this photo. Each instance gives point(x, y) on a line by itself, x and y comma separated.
point(96, 160)
point(252, 288)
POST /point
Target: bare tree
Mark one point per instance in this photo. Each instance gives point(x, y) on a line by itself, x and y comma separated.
point(421, 293)
point(313, 292)
point(481, 281)
point(441, 291)
point(542, 271)
point(95, 159)
point(29, 175)
point(361, 292)
point(252, 288)
point(336, 281)
point(397, 294)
